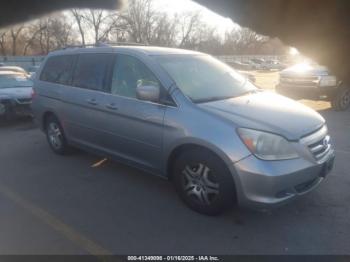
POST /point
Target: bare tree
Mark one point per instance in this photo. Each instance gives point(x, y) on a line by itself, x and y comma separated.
point(79, 20)
point(189, 25)
point(164, 31)
point(102, 22)
point(14, 35)
point(244, 40)
point(60, 31)
point(210, 41)
point(33, 33)
point(52, 33)
point(138, 20)
point(141, 22)
point(3, 37)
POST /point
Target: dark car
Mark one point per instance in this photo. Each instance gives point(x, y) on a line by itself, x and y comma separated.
point(304, 81)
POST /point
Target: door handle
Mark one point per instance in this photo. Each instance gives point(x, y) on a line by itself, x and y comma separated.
point(112, 106)
point(92, 101)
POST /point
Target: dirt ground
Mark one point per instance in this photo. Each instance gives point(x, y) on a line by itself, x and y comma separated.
point(268, 81)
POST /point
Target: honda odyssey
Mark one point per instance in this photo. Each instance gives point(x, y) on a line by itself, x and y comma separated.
point(187, 117)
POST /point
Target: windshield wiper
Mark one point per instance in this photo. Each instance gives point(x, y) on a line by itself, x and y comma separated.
point(217, 98)
point(210, 99)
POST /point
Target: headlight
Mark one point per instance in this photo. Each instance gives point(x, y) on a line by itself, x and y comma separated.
point(328, 81)
point(267, 146)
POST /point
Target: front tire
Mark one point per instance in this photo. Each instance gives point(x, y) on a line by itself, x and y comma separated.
point(203, 182)
point(55, 136)
point(341, 100)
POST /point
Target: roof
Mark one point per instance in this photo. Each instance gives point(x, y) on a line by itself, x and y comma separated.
point(12, 68)
point(155, 50)
point(10, 73)
point(146, 50)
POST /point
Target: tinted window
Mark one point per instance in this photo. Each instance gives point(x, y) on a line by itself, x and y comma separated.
point(92, 70)
point(128, 73)
point(58, 69)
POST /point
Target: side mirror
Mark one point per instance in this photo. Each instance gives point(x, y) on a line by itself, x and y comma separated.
point(148, 93)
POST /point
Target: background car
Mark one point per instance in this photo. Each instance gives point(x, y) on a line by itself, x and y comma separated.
point(311, 81)
point(274, 65)
point(13, 69)
point(16, 91)
point(241, 65)
point(258, 63)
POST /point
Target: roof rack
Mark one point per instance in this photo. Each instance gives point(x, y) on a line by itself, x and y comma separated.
point(124, 43)
point(104, 44)
point(80, 46)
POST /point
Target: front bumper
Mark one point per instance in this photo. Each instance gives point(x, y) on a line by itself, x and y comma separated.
point(264, 184)
point(15, 108)
point(311, 92)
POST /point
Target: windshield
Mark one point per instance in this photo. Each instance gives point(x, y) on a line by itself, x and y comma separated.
point(203, 78)
point(13, 81)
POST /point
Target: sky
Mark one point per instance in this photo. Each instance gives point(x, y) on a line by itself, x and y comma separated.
point(179, 6)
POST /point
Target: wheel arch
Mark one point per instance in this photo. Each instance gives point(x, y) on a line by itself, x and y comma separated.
point(177, 150)
point(45, 116)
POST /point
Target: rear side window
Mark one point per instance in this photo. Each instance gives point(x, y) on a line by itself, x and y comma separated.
point(58, 69)
point(92, 71)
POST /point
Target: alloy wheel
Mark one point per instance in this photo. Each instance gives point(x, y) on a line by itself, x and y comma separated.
point(55, 135)
point(200, 184)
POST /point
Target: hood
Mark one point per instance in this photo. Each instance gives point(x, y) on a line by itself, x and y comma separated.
point(16, 92)
point(268, 112)
point(302, 69)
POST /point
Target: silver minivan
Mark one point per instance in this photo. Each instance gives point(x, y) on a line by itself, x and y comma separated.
point(187, 117)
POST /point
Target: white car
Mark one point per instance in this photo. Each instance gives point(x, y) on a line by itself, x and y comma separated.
point(16, 91)
point(16, 69)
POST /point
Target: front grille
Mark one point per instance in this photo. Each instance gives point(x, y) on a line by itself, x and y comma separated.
point(321, 147)
point(24, 101)
point(300, 81)
point(318, 143)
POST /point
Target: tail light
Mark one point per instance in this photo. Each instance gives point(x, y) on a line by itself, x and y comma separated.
point(33, 94)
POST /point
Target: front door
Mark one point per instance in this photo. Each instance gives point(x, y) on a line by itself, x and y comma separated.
point(137, 126)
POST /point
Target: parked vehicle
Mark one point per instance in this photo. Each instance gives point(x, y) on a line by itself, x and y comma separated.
point(16, 69)
point(15, 94)
point(258, 64)
point(185, 116)
point(274, 65)
point(305, 81)
point(241, 65)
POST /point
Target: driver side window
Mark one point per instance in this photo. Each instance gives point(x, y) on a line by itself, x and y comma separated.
point(128, 73)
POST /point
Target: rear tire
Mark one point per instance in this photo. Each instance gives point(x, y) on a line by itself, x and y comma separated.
point(341, 100)
point(203, 182)
point(55, 136)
